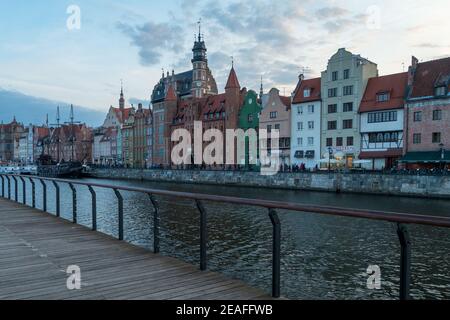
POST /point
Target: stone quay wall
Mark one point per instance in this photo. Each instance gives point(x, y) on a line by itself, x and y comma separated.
point(366, 183)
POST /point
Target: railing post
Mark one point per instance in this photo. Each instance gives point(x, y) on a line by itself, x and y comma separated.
point(276, 253)
point(203, 235)
point(3, 186)
point(156, 219)
point(405, 261)
point(94, 208)
point(16, 189)
point(24, 190)
point(33, 193)
point(120, 209)
point(9, 187)
point(74, 203)
point(44, 195)
point(58, 201)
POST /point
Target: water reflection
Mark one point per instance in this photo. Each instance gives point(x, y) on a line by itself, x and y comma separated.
point(323, 257)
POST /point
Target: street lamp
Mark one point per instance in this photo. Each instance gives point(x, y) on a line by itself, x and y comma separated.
point(330, 154)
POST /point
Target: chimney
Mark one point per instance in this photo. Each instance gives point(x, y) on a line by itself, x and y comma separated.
point(412, 70)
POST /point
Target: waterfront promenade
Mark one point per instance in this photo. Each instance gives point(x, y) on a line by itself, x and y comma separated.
point(37, 248)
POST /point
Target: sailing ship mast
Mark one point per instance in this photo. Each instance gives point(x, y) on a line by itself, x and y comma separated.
point(57, 129)
point(72, 135)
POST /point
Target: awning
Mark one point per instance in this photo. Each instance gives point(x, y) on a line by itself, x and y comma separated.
point(426, 157)
point(391, 153)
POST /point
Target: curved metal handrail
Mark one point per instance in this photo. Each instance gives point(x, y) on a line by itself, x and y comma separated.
point(402, 219)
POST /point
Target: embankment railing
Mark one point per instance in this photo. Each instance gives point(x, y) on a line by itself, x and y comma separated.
point(401, 219)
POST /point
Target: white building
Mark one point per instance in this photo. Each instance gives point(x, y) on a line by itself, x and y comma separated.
point(382, 121)
point(306, 123)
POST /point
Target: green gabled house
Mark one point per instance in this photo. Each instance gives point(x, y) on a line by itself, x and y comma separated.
point(249, 118)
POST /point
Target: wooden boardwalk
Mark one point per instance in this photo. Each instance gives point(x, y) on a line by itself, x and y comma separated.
point(36, 249)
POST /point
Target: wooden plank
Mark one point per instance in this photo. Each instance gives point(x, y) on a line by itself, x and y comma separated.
point(36, 248)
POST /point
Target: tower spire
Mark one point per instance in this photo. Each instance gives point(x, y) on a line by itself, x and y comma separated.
point(122, 99)
point(261, 91)
point(199, 29)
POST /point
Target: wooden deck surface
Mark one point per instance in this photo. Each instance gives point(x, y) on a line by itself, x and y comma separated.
point(36, 249)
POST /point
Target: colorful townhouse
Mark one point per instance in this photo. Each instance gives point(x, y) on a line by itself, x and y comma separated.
point(276, 114)
point(427, 114)
point(306, 123)
point(249, 119)
point(343, 85)
point(382, 121)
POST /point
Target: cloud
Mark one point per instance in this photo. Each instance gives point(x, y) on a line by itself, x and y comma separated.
point(331, 12)
point(430, 45)
point(135, 102)
point(153, 40)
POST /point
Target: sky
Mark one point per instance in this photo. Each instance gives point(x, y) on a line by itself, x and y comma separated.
point(44, 54)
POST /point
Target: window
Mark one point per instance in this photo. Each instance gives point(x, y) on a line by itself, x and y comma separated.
point(273, 115)
point(310, 125)
point(311, 108)
point(339, 142)
point(332, 108)
point(300, 110)
point(299, 125)
point(348, 90)
point(383, 97)
point(250, 118)
point(348, 107)
point(417, 138)
point(332, 93)
point(346, 73)
point(417, 116)
point(329, 142)
point(334, 76)
point(300, 142)
point(387, 116)
point(440, 91)
point(436, 137)
point(307, 93)
point(332, 125)
point(437, 115)
point(310, 141)
point(277, 127)
point(269, 128)
point(347, 124)
point(349, 141)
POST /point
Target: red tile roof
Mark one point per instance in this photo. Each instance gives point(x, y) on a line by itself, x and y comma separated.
point(122, 115)
point(42, 132)
point(213, 104)
point(394, 84)
point(313, 85)
point(428, 75)
point(171, 95)
point(286, 101)
point(233, 81)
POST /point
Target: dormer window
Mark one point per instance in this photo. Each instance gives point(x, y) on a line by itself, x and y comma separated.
point(307, 93)
point(383, 96)
point(439, 91)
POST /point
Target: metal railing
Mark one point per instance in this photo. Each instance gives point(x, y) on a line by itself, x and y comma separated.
point(401, 219)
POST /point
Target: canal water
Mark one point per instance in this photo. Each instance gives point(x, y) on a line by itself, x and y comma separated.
point(323, 257)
